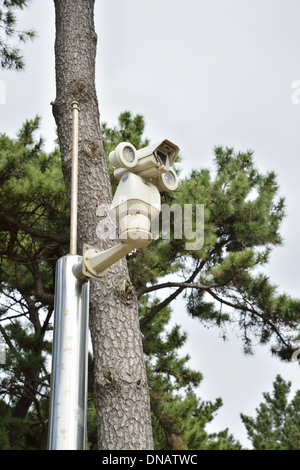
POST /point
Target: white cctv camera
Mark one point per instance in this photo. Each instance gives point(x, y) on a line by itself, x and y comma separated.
point(149, 162)
point(136, 202)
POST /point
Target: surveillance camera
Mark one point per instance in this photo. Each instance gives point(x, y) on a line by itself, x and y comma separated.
point(136, 202)
point(148, 162)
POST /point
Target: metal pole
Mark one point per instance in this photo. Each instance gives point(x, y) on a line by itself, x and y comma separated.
point(74, 181)
point(68, 391)
point(68, 400)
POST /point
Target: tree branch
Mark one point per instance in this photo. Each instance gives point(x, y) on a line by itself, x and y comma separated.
point(44, 234)
point(40, 294)
point(183, 285)
point(190, 285)
point(146, 290)
point(47, 320)
point(249, 310)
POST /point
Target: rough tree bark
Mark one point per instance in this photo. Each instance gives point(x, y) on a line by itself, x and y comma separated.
point(121, 388)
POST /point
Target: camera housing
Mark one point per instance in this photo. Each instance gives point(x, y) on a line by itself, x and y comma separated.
point(166, 181)
point(135, 204)
point(124, 156)
point(137, 200)
point(148, 162)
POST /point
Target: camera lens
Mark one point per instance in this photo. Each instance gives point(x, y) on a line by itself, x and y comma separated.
point(169, 178)
point(167, 181)
point(162, 156)
point(128, 154)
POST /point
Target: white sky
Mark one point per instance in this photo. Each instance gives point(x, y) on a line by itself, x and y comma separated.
point(203, 73)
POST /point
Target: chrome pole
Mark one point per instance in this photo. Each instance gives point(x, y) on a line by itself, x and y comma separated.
point(68, 399)
point(68, 389)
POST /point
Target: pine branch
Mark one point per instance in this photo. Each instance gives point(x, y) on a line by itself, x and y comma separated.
point(40, 294)
point(9, 343)
point(244, 308)
point(47, 320)
point(190, 285)
point(209, 289)
point(154, 311)
point(44, 234)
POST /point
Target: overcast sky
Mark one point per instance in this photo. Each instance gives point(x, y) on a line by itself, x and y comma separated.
point(203, 73)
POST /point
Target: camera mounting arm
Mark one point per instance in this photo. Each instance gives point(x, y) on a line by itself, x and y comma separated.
point(95, 263)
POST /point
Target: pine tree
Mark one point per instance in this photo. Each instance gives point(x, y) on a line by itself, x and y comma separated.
point(179, 417)
point(34, 231)
point(10, 54)
point(224, 278)
point(34, 234)
point(242, 220)
point(277, 422)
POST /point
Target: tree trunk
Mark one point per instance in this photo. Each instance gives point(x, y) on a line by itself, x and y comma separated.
point(121, 388)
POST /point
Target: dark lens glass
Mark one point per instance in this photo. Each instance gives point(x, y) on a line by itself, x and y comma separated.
point(162, 156)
